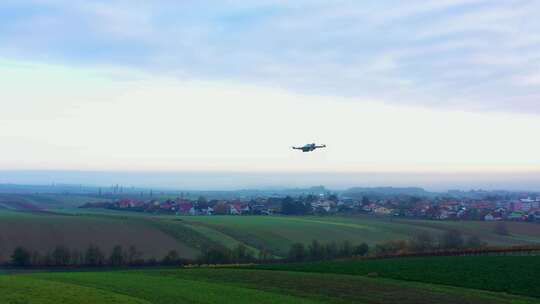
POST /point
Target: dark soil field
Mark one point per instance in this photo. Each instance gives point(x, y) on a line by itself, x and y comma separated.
point(42, 232)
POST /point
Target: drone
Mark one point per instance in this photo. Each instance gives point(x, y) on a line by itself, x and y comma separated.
point(309, 147)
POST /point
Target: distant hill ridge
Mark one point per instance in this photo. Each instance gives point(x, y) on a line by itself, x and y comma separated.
point(389, 191)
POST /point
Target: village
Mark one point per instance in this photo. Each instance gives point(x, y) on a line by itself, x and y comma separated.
point(436, 208)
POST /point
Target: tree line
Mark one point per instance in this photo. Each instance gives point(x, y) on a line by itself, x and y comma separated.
point(317, 251)
point(421, 242)
point(424, 242)
point(239, 254)
point(93, 256)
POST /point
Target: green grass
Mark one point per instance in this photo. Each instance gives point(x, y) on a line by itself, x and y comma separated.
point(277, 233)
point(25, 290)
point(163, 289)
point(207, 285)
point(510, 274)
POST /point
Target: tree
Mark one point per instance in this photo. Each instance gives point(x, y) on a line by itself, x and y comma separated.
point(202, 200)
point(241, 254)
point(117, 256)
point(221, 208)
point(291, 207)
point(501, 229)
point(21, 257)
point(422, 242)
point(215, 255)
point(47, 259)
point(346, 249)
point(133, 255)
point(265, 255)
point(391, 248)
point(316, 250)
point(61, 256)
point(172, 258)
point(361, 250)
point(451, 239)
point(77, 257)
point(297, 252)
point(36, 259)
point(365, 201)
point(331, 250)
point(94, 256)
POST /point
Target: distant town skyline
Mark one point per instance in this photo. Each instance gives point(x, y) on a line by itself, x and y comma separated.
point(432, 92)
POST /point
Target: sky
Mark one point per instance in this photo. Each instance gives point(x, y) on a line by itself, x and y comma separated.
point(439, 90)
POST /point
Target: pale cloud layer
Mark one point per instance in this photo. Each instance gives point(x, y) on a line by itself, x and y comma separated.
point(469, 55)
point(56, 117)
point(436, 93)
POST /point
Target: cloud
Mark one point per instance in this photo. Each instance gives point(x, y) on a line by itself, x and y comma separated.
point(87, 119)
point(466, 54)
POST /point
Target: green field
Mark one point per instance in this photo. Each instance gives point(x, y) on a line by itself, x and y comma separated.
point(155, 235)
point(277, 233)
point(510, 274)
point(207, 285)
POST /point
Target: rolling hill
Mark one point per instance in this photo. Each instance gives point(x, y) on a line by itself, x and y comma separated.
point(290, 284)
point(154, 236)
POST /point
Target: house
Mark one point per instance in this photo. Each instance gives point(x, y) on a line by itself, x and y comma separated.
point(322, 207)
point(260, 209)
point(126, 203)
point(185, 208)
point(222, 208)
point(208, 211)
point(491, 217)
point(246, 209)
point(166, 206)
point(517, 216)
point(235, 209)
point(446, 214)
point(382, 211)
point(516, 206)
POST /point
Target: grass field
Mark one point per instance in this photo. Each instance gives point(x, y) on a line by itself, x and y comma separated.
point(155, 235)
point(510, 274)
point(213, 285)
point(277, 233)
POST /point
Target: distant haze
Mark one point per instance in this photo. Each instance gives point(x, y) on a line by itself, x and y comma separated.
point(243, 180)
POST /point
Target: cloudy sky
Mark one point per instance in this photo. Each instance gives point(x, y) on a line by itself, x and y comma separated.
point(390, 86)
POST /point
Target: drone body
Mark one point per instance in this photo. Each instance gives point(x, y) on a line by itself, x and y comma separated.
point(309, 147)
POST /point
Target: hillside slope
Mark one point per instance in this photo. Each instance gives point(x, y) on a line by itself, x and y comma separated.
point(231, 286)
